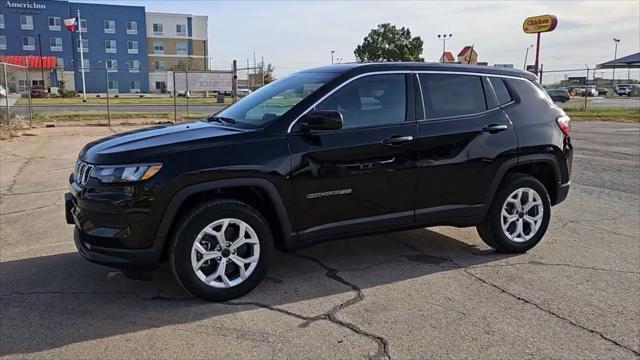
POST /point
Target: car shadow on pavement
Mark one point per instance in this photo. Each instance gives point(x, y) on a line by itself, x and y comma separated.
point(52, 301)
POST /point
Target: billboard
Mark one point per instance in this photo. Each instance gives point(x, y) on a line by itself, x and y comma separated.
point(203, 81)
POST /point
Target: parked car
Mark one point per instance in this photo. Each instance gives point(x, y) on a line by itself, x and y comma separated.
point(375, 148)
point(243, 92)
point(586, 91)
point(603, 91)
point(37, 91)
point(559, 95)
point(623, 89)
point(3, 92)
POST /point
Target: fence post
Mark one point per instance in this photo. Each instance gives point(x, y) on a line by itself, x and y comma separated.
point(541, 68)
point(106, 71)
point(186, 93)
point(175, 105)
point(29, 94)
point(586, 80)
point(234, 82)
point(6, 87)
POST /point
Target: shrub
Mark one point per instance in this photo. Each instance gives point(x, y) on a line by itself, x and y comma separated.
point(98, 95)
point(116, 96)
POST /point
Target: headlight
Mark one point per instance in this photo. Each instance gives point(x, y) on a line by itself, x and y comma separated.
point(125, 173)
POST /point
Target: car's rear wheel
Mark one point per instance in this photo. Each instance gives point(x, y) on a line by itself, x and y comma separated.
point(221, 250)
point(518, 216)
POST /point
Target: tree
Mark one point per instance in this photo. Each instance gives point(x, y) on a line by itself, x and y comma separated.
point(388, 43)
point(268, 74)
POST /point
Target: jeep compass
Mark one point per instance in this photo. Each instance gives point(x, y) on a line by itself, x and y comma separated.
point(331, 152)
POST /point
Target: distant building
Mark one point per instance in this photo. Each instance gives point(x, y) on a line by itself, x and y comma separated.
point(447, 57)
point(468, 55)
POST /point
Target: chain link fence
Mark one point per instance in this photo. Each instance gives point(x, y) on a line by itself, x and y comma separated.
point(15, 110)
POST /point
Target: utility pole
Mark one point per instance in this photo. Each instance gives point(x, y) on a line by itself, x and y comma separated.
point(537, 63)
point(175, 105)
point(444, 38)
point(248, 75)
point(262, 68)
point(332, 52)
point(526, 55)
point(84, 88)
point(615, 57)
point(234, 81)
point(41, 62)
point(29, 94)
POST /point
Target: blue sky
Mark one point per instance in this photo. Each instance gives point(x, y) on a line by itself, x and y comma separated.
point(297, 34)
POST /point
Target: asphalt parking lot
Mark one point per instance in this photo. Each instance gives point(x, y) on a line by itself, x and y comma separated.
point(429, 293)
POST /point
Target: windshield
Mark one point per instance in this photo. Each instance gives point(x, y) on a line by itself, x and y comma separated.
point(271, 101)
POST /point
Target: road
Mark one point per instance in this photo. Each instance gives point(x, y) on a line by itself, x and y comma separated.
point(119, 108)
point(429, 293)
point(602, 102)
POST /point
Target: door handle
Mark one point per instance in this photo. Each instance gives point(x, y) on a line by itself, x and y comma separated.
point(493, 128)
point(397, 140)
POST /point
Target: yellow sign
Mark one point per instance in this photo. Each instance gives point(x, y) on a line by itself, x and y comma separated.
point(539, 24)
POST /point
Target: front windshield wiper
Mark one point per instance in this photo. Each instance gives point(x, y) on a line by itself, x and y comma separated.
point(221, 119)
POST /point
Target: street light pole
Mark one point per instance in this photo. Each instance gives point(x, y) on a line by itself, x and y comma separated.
point(615, 57)
point(526, 54)
point(332, 52)
point(444, 38)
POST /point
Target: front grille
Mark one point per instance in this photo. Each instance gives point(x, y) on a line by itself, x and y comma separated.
point(82, 172)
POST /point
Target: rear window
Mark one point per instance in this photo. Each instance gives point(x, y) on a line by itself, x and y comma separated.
point(502, 92)
point(447, 95)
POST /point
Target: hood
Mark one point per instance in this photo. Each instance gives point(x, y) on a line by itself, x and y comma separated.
point(151, 143)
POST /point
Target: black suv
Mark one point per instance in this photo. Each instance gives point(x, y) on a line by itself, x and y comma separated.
point(331, 152)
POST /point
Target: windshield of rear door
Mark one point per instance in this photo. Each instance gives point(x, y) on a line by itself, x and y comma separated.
point(266, 104)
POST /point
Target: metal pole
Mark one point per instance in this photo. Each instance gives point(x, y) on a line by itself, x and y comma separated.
point(6, 86)
point(175, 105)
point(526, 55)
point(615, 57)
point(186, 93)
point(41, 62)
point(84, 88)
point(332, 51)
point(108, 104)
point(585, 87)
point(540, 78)
point(234, 81)
point(537, 54)
point(29, 94)
point(262, 69)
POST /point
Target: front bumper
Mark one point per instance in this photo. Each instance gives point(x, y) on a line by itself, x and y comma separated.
point(102, 238)
point(562, 191)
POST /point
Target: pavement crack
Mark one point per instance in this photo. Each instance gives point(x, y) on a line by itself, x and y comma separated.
point(526, 301)
point(28, 210)
point(540, 263)
point(332, 314)
point(32, 192)
point(269, 307)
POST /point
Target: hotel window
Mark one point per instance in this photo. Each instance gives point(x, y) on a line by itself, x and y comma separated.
point(86, 66)
point(112, 85)
point(55, 43)
point(158, 47)
point(182, 48)
point(28, 43)
point(181, 29)
point(54, 23)
point(132, 47)
point(134, 86)
point(110, 47)
point(133, 65)
point(158, 29)
point(83, 25)
point(112, 65)
point(85, 45)
point(26, 22)
point(132, 27)
point(158, 65)
point(109, 26)
point(1, 21)
point(3, 42)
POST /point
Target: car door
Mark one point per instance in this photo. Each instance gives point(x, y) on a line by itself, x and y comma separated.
point(463, 140)
point(360, 177)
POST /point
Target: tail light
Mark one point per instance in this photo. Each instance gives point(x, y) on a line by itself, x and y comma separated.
point(564, 124)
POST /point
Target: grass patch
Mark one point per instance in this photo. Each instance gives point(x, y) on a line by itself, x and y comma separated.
point(123, 101)
point(614, 114)
point(102, 115)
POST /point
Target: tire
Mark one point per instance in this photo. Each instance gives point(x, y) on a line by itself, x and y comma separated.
point(199, 268)
point(515, 237)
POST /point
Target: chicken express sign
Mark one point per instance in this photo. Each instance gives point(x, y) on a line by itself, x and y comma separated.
point(539, 24)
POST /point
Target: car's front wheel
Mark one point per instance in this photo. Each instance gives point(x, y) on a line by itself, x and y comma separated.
point(518, 216)
point(221, 250)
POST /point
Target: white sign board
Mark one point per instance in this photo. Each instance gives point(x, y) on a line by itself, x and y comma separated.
point(203, 81)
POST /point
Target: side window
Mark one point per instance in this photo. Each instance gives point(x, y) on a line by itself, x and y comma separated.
point(452, 95)
point(369, 101)
point(502, 92)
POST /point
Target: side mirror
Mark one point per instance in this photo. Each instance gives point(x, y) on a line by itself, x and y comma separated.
point(321, 120)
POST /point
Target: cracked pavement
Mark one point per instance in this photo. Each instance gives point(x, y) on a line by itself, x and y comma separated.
point(428, 293)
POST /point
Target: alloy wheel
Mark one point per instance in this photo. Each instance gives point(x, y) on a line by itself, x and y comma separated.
point(225, 253)
point(521, 215)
